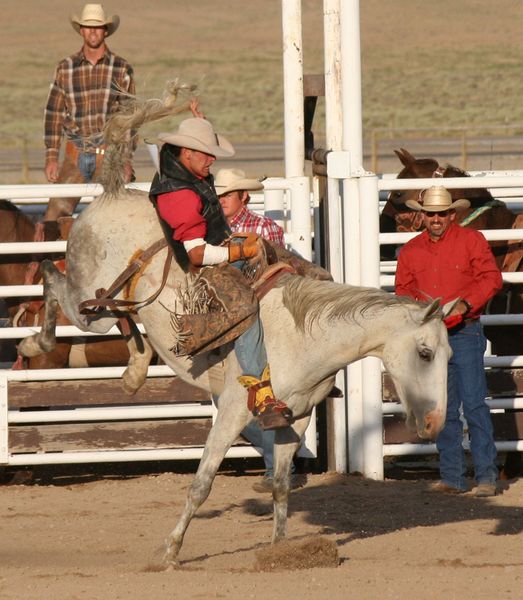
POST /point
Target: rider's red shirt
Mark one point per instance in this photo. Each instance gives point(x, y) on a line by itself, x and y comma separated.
point(183, 211)
point(459, 265)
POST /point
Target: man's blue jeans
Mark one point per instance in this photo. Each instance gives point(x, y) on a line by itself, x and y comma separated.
point(250, 346)
point(250, 350)
point(467, 386)
point(87, 165)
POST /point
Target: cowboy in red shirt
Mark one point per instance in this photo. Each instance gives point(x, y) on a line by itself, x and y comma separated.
point(197, 230)
point(450, 262)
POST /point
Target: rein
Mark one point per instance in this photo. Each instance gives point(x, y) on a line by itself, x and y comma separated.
point(104, 297)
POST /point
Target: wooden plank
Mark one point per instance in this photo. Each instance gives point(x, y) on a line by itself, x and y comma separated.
point(500, 382)
point(395, 431)
point(94, 392)
point(507, 426)
point(66, 437)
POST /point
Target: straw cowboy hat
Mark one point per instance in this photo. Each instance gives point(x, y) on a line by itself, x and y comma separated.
point(435, 199)
point(232, 180)
point(198, 134)
point(93, 15)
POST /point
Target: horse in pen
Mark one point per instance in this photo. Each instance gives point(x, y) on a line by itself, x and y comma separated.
point(312, 328)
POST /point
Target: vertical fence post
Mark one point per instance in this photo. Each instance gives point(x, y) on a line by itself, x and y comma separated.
point(374, 151)
point(25, 160)
point(371, 367)
point(464, 151)
point(4, 439)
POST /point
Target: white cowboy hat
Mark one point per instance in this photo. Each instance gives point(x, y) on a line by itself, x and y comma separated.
point(231, 180)
point(93, 15)
point(435, 199)
point(198, 134)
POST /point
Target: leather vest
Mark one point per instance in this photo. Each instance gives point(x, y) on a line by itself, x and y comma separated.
point(174, 177)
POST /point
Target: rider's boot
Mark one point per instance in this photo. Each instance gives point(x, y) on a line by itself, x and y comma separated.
point(271, 413)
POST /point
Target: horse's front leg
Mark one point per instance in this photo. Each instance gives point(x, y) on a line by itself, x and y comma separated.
point(286, 443)
point(232, 418)
point(54, 287)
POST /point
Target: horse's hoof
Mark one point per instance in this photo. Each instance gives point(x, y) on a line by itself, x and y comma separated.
point(162, 560)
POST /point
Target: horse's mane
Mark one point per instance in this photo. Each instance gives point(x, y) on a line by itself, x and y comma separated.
point(9, 206)
point(310, 299)
point(122, 128)
point(9, 225)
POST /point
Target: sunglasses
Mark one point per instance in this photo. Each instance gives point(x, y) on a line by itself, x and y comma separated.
point(440, 213)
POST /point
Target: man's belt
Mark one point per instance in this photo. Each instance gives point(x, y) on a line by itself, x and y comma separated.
point(79, 147)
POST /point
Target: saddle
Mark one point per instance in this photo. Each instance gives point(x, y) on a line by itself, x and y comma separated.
point(224, 302)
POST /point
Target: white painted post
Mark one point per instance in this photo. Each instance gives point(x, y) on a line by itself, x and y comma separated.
point(293, 88)
point(274, 205)
point(353, 146)
point(301, 221)
point(4, 440)
point(371, 367)
point(333, 129)
point(351, 84)
point(300, 192)
point(333, 133)
point(301, 217)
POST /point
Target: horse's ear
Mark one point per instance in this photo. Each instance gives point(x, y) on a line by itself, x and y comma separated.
point(405, 157)
point(433, 310)
point(447, 308)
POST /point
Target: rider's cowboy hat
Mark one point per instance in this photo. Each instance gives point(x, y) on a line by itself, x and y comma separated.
point(93, 15)
point(435, 199)
point(198, 134)
point(232, 180)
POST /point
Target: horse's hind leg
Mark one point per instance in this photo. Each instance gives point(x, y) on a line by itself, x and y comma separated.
point(286, 443)
point(45, 340)
point(232, 418)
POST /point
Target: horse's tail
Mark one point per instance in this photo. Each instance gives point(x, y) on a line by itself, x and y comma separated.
point(121, 131)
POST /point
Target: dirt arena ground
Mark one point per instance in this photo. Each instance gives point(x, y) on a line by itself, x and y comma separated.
point(395, 539)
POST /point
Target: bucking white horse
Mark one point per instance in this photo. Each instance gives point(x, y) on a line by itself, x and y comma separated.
point(312, 330)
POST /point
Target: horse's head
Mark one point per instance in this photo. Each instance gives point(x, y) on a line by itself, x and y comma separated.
point(421, 168)
point(416, 357)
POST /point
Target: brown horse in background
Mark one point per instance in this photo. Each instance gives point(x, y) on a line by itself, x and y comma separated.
point(15, 226)
point(485, 212)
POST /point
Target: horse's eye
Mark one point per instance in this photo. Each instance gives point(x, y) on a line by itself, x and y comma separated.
point(426, 354)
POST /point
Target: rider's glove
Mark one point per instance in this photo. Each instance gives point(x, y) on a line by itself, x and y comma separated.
point(246, 249)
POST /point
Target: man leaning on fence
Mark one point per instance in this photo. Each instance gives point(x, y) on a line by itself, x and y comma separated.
point(450, 261)
point(87, 88)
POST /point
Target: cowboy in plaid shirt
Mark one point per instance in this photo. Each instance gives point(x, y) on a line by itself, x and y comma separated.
point(87, 88)
point(232, 188)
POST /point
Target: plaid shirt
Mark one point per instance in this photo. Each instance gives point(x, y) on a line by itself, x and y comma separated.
point(248, 222)
point(81, 97)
